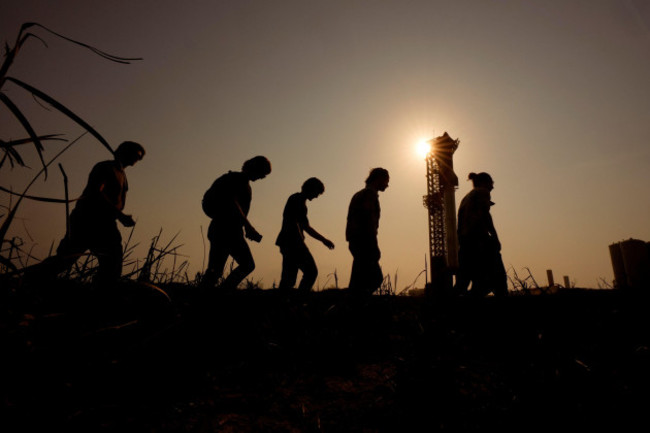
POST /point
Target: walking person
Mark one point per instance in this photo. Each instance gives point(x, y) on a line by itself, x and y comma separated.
point(361, 233)
point(291, 239)
point(227, 202)
point(479, 253)
point(93, 221)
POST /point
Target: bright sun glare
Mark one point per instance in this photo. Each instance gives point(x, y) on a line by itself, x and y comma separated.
point(422, 148)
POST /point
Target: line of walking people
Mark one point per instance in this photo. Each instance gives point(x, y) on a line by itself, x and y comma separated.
point(227, 202)
point(93, 226)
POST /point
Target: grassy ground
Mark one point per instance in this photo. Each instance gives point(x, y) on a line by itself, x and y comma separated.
point(263, 361)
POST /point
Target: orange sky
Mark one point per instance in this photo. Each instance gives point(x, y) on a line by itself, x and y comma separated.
point(551, 98)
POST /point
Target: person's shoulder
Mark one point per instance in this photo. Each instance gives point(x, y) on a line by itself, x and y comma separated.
point(107, 163)
point(367, 193)
point(483, 193)
point(362, 191)
point(229, 177)
point(237, 177)
point(105, 166)
point(480, 195)
point(296, 200)
point(363, 197)
point(359, 194)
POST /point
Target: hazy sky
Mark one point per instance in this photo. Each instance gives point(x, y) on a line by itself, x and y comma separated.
point(551, 98)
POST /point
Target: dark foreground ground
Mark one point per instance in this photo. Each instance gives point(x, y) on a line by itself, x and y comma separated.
point(259, 361)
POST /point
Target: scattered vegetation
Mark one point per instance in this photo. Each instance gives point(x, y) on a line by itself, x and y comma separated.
point(178, 359)
point(13, 149)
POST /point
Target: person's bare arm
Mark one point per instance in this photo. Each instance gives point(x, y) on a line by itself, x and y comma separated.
point(314, 234)
point(251, 232)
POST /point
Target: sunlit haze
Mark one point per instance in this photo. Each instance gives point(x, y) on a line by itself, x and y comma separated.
point(422, 148)
point(549, 97)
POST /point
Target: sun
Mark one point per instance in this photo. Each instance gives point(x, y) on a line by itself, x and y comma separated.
point(422, 148)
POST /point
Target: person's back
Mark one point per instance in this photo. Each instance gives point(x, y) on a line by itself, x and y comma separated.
point(294, 218)
point(363, 216)
point(361, 233)
point(102, 202)
point(473, 213)
point(221, 199)
point(479, 246)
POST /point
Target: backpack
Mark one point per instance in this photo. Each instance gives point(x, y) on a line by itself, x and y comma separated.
point(209, 203)
point(212, 198)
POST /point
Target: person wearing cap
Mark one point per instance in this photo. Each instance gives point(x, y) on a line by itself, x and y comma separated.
point(227, 202)
point(93, 221)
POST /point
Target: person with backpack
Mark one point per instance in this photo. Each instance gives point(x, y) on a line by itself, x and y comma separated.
point(227, 203)
point(291, 240)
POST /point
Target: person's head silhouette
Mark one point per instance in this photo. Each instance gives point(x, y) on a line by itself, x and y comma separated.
point(481, 180)
point(312, 188)
point(129, 152)
point(378, 179)
point(257, 168)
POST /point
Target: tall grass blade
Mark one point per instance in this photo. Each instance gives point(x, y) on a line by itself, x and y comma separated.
point(37, 198)
point(12, 143)
point(12, 154)
point(28, 127)
point(10, 216)
point(63, 109)
point(111, 57)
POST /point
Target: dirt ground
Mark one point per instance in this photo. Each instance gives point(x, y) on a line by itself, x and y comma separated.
point(138, 359)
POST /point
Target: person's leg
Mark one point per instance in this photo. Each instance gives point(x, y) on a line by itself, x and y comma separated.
point(462, 274)
point(309, 270)
point(356, 274)
point(289, 269)
point(107, 246)
point(366, 275)
point(241, 253)
point(498, 276)
point(66, 255)
point(217, 257)
point(72, 246)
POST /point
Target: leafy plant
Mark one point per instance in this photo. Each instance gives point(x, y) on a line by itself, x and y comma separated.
point(11, 149)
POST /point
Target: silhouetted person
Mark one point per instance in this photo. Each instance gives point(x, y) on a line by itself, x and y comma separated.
point(291, 240)
point(479, 252)
point(227, 202)
point(93, 223)
point(361, 234)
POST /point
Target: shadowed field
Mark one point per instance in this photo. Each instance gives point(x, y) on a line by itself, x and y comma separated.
point(265, 361)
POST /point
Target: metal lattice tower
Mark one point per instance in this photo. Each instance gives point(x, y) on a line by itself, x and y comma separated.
point(441, 204)
point(434, 203)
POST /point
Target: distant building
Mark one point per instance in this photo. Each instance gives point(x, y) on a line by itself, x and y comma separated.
point(631, 264)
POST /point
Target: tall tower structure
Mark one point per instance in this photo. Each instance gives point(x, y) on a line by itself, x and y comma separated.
point(440, 201)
